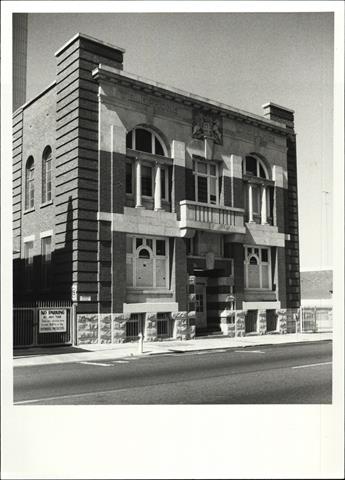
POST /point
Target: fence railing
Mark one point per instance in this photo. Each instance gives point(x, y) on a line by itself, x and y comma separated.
point(42, 323)
point(316, 319)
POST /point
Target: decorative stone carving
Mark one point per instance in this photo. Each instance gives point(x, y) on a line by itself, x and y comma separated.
point(207, 125)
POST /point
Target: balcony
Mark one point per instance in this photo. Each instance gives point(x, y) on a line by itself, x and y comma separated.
point(201, 216)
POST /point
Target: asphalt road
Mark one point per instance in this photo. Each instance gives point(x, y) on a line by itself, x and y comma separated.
point(284, 374)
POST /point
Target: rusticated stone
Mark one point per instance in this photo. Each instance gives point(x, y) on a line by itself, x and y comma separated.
point(87, 329)
point(105, 328)
point(239, 323)
point(282, 320)
point(150, 329)
point(262, 323)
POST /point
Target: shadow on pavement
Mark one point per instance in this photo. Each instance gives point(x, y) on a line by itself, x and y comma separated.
point(54, 350)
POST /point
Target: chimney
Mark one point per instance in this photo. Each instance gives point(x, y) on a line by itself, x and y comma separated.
point(280, 114)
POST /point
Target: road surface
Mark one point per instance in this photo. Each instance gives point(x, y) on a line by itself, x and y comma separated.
point(278, 374)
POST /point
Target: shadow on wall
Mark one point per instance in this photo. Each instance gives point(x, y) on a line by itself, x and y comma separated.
point(41, 280)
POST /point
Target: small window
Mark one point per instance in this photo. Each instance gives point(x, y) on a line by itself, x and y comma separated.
point(29, 183)
point(47, 175)
point(46, 254)
point(144, 253)
point(163, 183)
point(145, 140)
point(146, 181)
point(29, 264)
point(264, 255)
point(138, 242)
point(160, 247)
point(253, 261)
point(251, 166)
point(158, 147)
point(129, 177)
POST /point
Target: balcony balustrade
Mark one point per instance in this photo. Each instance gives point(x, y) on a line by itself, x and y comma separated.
point(211, 217)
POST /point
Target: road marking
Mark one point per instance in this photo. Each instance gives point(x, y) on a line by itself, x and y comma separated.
point(97, 364)
point(248, 351)
point(120, 361)
point(312, 365)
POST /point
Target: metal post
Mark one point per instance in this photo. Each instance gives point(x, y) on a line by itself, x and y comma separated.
point(141, 343)
point(73, 321)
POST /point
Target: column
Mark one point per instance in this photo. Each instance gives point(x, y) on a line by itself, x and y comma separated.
point(158, 194)
point(138, 203)
point(263, 205)
point(250, 202)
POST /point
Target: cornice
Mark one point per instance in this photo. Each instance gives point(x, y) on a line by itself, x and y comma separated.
point(120, 77)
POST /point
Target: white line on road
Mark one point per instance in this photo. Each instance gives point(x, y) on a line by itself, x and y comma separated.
point(312, 365)
point(97, 364)
point(248, 351)
point(120, 361)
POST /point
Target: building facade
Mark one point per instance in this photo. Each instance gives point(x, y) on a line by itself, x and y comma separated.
point(151, 208)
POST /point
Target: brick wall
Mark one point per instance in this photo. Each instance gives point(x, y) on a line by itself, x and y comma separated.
point(78, 157)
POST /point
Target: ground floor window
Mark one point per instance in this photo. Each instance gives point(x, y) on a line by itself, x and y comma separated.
point(147, 260)
point(271, 320)
point(163, 323)
point(257, 266)
point(133, 326)
point(251, 321)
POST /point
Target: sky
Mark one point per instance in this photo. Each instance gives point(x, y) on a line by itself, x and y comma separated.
point(241, 59)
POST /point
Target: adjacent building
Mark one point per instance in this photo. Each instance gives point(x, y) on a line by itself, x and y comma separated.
point(153, 209)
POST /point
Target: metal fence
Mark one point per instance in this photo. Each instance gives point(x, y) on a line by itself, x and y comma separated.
point(316, 319)
point(42, 323)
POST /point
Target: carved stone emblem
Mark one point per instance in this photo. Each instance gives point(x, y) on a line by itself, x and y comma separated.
point(207, 125)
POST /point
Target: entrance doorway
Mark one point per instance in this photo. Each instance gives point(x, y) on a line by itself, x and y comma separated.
point(251, 321)
point(200, 303)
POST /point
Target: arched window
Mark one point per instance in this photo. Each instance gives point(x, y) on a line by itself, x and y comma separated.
point(145, 140)
point(29, 183)
point(147, 261)
point(47, 175)
point(254, 166)
point(257, 264)
point(258, 193)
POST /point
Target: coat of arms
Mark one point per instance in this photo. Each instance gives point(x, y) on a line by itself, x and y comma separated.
point(206, 125)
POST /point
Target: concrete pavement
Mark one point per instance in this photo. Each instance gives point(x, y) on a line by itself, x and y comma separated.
point(44, 356)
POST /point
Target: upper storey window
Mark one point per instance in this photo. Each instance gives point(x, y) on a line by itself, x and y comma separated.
point(47, 175)
point(254, 166)
point(258, 192)
point(145, 140)
point(29, 183)
point(206, 182)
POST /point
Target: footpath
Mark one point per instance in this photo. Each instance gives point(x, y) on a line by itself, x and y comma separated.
point(98, 352)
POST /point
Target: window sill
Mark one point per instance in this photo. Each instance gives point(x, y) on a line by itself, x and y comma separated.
point(29, 210)
point(45, 204)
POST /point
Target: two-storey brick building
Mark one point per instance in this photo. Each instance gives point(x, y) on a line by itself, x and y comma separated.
point(152, 208)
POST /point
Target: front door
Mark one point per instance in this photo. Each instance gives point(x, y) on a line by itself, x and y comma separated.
point(200, 303)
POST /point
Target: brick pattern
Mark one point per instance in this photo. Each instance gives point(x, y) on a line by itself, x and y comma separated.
point(293, 288)
point(77, 166)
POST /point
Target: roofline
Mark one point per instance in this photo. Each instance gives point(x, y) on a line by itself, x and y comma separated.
point(36, 97)
point(271, 104)
point(186, 97)
point(91, 39)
